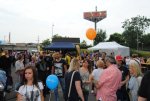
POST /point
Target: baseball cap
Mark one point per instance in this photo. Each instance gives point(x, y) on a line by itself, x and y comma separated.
point(119, 57)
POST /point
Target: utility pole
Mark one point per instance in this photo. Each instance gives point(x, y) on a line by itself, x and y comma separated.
point(38, 39)
point(52, 30)
point(9, 37)
point(38, 45)
point(95, 20)
point(137, 41)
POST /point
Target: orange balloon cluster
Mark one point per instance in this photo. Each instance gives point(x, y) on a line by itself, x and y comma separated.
point(91, 34)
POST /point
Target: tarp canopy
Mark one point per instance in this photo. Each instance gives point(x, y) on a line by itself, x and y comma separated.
point(60, 45)
point(111, 47)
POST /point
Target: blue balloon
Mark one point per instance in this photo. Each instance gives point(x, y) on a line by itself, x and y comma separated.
point(52, 82)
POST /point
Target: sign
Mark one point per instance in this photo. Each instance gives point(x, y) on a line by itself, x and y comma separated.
point(95, 16)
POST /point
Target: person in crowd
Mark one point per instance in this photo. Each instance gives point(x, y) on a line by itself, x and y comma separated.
point(109, 81)
point(33, 61)
point(19, 67)
point(136, 58)
point(127, 60)
point(148, 60)
point(85, 72)
point(31, 90)
point(93, 65)
point(5, 62)
point(122, 94)
point(135, 79)
point(81, 61)
point(41, 69)
point(68, 59)
point(144, 90)
point(59, 68)
point(5, 70)
point(112, 54)
point(49, 61)
point(96, 73)
point(103, 58)
point(54, 56)
point(142, 60)
point(75, 89)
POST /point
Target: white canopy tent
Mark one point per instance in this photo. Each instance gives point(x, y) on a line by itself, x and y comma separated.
point(111, 47)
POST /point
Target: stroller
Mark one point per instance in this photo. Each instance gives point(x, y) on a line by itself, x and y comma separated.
point(3, 79)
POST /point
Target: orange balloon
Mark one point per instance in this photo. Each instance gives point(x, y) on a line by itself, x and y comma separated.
point(91, 34)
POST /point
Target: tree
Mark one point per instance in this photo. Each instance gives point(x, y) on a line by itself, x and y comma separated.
point(134, 29)
point(100, 37)
point(118, 38)
point(45, 42)
point(145, 42)
point(130, 38)
point(57, 36)
point(83, 44)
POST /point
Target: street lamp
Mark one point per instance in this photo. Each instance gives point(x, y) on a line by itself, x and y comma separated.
point(137, 42)
point(52, 29)
point(142, 45)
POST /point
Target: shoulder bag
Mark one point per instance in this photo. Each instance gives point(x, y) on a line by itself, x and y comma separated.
point(70, 85)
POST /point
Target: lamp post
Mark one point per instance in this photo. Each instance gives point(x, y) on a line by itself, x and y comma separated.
point(137, 42)
point(142, 45)
point(52, 29)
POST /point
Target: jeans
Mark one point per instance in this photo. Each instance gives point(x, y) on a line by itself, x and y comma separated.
point(86, 94)
point(62, 83)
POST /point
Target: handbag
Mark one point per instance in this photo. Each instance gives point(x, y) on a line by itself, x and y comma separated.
point(70, 85)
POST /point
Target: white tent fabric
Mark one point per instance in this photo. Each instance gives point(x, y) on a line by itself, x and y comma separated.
point(111, 47)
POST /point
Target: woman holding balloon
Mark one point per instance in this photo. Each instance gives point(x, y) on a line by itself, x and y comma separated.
point(73, 82)
point(31, 90)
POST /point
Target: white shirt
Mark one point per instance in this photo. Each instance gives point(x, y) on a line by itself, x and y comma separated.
point(27, 92)
point(19, 65)
point(96, 73)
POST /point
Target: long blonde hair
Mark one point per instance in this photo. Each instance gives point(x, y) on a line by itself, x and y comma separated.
point(136, 67)
point(74, 65)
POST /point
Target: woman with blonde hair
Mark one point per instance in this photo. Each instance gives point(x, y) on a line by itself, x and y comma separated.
point(135, 79)
point(73, 87)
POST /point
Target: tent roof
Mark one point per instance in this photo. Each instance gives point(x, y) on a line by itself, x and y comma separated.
point(60, 45)
point(106, 45)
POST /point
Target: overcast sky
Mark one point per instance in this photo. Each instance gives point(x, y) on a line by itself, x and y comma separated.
point(28, 19)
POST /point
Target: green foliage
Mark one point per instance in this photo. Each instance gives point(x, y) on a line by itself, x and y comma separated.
point(57, 36)
point(118, 38)
point(134, 28)
point(145, 41)
point(139, 23)
point(141, 53)
point(83, 45)
point(46, 42)
point(100, 37)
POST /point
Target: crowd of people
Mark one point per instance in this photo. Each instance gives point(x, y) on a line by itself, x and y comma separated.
point(109, 77)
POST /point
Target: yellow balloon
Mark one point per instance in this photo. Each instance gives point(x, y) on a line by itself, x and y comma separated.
point(91, 34)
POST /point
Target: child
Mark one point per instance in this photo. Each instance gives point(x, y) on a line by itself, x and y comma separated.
point(31, 90)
